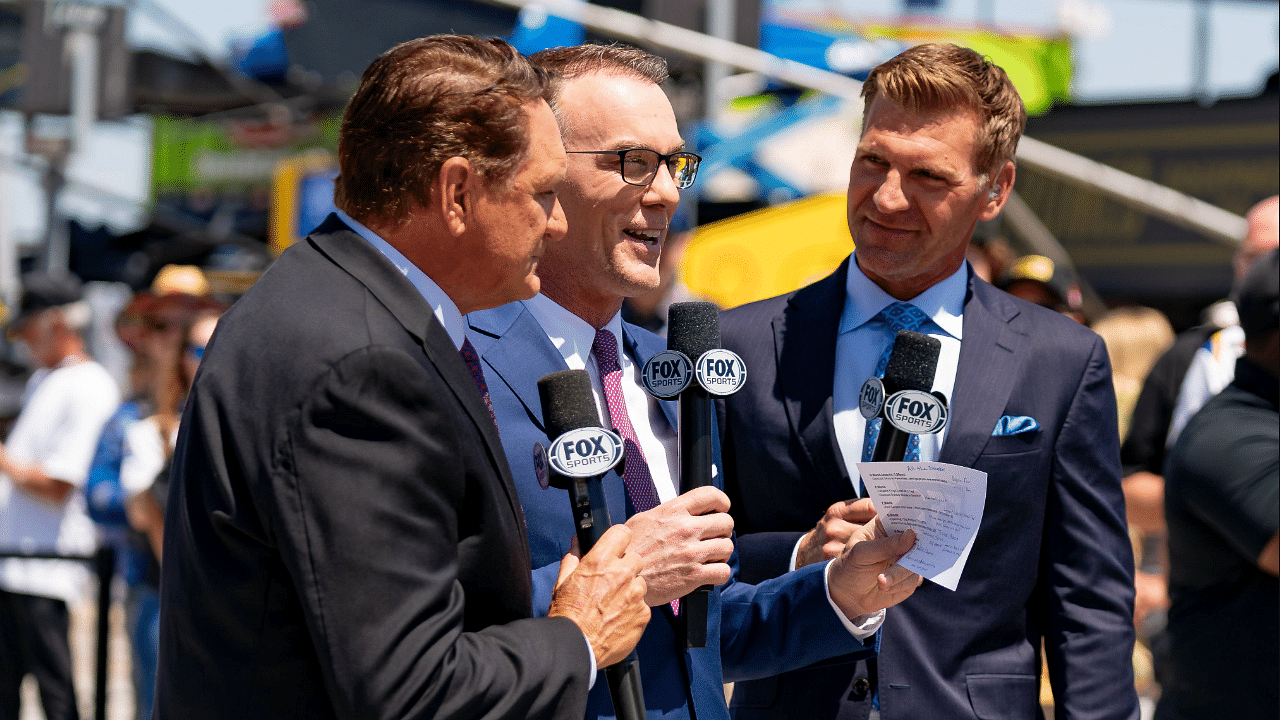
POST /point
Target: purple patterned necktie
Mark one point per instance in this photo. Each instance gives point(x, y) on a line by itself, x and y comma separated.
point(635, 475)
point(896, 316)
point(468, 353)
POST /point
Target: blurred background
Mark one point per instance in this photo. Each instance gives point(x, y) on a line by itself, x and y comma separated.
point(138, 134)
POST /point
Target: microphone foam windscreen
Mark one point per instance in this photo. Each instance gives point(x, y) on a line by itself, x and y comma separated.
point(913, 362)
point(567, 402)
point(693, 328)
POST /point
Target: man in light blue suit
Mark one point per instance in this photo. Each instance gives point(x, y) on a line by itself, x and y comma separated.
point(626, 166)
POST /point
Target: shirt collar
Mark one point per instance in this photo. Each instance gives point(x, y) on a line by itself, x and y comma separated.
point(943, 302)
point(441, 304)
point(571, 335)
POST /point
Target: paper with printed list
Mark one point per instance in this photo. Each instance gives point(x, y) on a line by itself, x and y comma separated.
point(943, 503)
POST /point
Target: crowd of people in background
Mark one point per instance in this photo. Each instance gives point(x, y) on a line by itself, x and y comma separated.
point(104, 454)
point(88, 463)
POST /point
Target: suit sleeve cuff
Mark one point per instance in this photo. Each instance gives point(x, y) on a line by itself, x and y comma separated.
point(860, 627)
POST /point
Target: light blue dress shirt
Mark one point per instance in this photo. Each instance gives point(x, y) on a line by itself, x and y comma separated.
point(441, 304)
point(860, 343)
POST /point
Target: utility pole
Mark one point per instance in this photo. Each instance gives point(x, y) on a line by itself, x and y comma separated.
point(1200, 54)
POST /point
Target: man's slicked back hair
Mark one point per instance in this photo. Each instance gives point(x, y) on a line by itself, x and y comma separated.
point(566, 63)
point(423, 102)
point(941, 77)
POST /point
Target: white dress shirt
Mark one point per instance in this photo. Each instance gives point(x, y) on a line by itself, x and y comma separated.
point(861, 342)
point(573, 337)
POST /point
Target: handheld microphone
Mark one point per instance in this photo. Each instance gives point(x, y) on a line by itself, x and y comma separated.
point(693, 331)
point(581, 453)
point(903, 399)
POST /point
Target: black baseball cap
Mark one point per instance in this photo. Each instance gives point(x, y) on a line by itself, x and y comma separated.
point(41, 291)
point(1258, 301)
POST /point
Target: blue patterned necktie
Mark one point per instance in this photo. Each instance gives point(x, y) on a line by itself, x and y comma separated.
point(896, 317)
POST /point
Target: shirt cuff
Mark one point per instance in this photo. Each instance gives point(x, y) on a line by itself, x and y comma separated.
point(860, 627)
point(591, 655)
point(795, 553)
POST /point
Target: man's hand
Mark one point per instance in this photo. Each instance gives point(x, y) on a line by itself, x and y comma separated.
point(828, 538)
point(685, 543)
point(865, 577)
point(603, 594)
point(32, 479)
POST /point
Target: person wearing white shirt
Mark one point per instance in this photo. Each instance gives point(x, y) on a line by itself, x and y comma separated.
point(44, 462)
point(627, 164)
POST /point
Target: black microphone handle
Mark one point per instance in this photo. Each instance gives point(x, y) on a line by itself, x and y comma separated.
point(695, 471)
point(567, 404)
point(624, 688)
point(891, 445)
point(590, 511)
point(591, 520)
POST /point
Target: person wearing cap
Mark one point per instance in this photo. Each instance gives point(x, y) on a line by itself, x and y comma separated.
point(43, 463)
point(1040, 281)
point(1222, 509)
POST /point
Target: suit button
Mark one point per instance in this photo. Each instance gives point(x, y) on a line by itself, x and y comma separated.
point(859, 690)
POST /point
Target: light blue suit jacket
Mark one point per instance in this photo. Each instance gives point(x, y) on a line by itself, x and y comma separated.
point(752, 631)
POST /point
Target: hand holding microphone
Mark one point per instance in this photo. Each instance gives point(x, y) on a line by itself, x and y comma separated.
point(833, 531)
point(908, 377)
point(603, 593)
point(693, 368)
point(865, 577)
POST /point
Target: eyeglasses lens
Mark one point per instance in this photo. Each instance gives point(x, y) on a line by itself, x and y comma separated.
point(640, 166)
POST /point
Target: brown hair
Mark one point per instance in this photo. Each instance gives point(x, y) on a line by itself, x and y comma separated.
point(423, 102)
point(937, 77)
point(566, 63)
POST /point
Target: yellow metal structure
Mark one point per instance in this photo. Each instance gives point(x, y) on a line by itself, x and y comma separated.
point(767, 252)
point(285, 201)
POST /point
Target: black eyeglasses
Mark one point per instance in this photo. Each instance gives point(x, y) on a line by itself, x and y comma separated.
point(639, 166)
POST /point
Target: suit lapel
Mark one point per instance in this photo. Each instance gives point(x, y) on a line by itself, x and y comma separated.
point(988, 356)
point(805, 342)
point(641, 347)
point(363, 261)
point(520, 354)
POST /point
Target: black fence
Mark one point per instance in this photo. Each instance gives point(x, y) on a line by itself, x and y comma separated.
point(103, 563)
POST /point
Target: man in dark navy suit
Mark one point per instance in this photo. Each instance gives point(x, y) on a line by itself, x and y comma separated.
point(627, 164)
point(1031, 405)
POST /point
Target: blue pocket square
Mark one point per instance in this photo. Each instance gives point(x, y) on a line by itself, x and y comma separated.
point(1014, 424)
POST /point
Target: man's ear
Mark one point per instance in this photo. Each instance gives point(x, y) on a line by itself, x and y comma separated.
point(998, 195)
point(456, 186)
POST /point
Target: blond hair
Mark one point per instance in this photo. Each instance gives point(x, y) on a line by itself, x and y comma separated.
point(940, 77)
